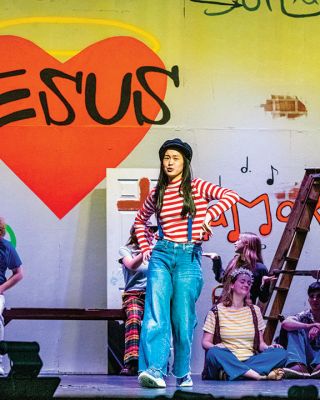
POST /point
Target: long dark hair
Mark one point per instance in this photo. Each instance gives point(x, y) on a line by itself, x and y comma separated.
point(133, 238)
point(131, 241)
point(184, 189)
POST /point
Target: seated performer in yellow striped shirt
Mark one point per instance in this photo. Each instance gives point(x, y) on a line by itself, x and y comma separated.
point(233, 337)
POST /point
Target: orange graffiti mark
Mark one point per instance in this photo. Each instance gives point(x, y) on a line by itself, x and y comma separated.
point(288, 203)
point(221, 220)
point(280, 196)
point(265, 228)
point(135, 205)
point(281, 206)
point(291, 195)
point(289, 199)
point(234, 234)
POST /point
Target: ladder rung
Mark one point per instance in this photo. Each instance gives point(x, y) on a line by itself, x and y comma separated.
point(301, 229)
point(271, 318)
point(292, 259)
point(312, 201)
point(281, 289)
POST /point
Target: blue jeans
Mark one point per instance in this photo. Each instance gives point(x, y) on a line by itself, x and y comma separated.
point(300, 350)
point(218, 358)
point(174, 284)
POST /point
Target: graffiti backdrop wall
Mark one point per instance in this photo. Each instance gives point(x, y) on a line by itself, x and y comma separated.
point(92, 85)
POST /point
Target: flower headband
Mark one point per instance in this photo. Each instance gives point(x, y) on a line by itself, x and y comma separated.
point(241, 270)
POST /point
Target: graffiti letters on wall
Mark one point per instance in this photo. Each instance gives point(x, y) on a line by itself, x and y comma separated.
point(77, 117)
point(285, 204)
point(290, 8)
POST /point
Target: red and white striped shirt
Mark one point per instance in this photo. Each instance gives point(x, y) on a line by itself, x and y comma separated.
point(175, 227)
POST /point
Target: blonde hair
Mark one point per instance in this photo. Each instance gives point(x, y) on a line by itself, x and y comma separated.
point(227, 293)
point(250, 255)
point(2, 227)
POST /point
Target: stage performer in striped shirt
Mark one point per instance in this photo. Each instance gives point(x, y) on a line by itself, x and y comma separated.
point(181, 206)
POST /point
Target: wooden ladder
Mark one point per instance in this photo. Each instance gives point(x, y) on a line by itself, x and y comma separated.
point(289, 250)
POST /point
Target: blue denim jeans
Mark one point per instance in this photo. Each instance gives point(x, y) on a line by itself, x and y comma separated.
point(173, 286)
point(300, 350)
point(218, 358)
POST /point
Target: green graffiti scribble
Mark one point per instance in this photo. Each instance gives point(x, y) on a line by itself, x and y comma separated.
point(285, 12)
point(12, 236)
point(219, 3)
point(309, 3)
point(233, 5)
point(243, 3)
point(269, 5)
point(221, 12)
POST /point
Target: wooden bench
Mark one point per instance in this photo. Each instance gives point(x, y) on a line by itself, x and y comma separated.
point(85, 314)
point(63, 314)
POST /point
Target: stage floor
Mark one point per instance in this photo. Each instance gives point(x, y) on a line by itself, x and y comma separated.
point(110, 387)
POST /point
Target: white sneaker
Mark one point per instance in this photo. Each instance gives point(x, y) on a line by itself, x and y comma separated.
point(151, 379)
point(185, 381)
point(2, 370)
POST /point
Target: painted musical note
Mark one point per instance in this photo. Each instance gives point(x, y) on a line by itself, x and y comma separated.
point(219, 180)
point(245, 169)
point(270, 181)
point(264, 228)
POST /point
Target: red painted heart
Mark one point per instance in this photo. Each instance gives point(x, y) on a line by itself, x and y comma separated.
point(60, 163)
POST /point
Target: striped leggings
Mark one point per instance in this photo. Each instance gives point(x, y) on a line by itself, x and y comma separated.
point(133, 304)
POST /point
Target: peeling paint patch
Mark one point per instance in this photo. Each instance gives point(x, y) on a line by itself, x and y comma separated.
point(287, 195)
point(285, 106)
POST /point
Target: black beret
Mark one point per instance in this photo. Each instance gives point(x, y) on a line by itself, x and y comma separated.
point(178, 144)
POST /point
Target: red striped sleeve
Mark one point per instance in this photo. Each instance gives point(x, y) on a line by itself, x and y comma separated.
point(175, 228)
point(211, 192)
point(143, 215)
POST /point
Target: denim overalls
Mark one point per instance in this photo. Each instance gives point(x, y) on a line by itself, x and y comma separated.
point(174, 284)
